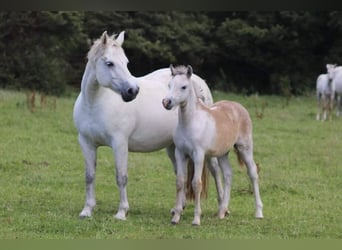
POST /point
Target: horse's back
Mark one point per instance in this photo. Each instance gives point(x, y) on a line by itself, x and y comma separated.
point(163, 76)
point(338, 80)
point(233, 114)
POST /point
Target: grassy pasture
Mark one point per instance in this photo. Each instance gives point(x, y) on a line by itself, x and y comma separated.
point(42, 179)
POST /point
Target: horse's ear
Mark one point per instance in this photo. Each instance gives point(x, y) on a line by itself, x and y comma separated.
point(189, 71)
point(172, 70)
point(104, 37)
point(121, 37)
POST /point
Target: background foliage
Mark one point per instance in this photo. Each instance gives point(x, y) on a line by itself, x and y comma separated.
point(278, 52)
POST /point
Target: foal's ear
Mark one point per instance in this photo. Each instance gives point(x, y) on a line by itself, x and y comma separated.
point(121, 37)
point(104, 37)
point(172, 70)
point(189, 71)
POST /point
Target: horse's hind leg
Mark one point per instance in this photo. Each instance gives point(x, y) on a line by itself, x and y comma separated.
point(89, 153)
point(215, 169)
point(227, 177)
point(246, 153)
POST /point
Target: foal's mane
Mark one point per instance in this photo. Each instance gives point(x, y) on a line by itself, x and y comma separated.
point(180, 70)
point(100, 45)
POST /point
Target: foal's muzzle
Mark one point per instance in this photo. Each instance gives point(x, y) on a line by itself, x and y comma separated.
point(129, 94)
point(167, 103)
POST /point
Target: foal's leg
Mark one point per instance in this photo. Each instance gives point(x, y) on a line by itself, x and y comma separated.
point(89, 153)
point(120, 150)
point(246, 152)
point(227, 177)
point(198, 159)
point(180, 186)
point(171, 153)
point(214, 169)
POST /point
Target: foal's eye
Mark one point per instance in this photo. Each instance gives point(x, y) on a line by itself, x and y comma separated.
point(110, 64)
point(183, 87)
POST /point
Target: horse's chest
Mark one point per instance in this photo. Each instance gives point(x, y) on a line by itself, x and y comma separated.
point(94, 125)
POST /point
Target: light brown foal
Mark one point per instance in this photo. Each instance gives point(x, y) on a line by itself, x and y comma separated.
point(203, 133)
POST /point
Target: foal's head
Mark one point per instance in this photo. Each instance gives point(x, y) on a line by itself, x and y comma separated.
point(179, 86)
point(111, 66)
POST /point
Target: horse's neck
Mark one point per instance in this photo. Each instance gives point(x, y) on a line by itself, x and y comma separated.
point(89, 85)
point(188, 109)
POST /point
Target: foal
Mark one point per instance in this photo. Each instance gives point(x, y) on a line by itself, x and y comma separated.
point(204, 132)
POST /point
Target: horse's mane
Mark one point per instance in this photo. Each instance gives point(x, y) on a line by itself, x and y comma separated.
point(96, 50)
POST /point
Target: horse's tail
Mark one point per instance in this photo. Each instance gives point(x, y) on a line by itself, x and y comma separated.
point(190, 195)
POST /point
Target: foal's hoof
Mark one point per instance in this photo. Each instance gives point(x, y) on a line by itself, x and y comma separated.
point(259, 215)
point(221, 214)
point(195, 224)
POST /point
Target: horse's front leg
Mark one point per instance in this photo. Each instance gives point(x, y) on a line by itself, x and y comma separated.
point(198, 159)
point(180, 186)
point(89, 153)
point(120, 150)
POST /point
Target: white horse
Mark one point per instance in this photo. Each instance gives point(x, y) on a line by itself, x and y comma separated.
point(325, 92)
point(335, 76)
point(123, 112)
point(204, 132)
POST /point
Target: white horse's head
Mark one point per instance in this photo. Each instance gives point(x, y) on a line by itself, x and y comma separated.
point(179, 86)
point(331, 71)
point(111, 66)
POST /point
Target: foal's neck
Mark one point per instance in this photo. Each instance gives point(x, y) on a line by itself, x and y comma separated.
point(188, 108)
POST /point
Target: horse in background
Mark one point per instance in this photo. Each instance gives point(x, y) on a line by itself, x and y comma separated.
point(204, 132)
point(335, 76)
point(124, 112)
point(325, 92)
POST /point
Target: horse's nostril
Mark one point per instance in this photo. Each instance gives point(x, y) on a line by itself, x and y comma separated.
point(132, 91)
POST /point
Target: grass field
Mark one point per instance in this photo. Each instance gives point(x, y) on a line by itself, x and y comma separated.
point(42, 179)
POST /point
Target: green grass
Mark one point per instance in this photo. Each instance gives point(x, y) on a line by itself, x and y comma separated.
point(42, 179)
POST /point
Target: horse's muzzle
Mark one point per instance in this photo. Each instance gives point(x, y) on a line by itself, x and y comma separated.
point(167, 103)
point(129, 94)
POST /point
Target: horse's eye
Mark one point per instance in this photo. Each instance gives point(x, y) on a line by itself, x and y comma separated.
point(183, 87)
point(110, 64)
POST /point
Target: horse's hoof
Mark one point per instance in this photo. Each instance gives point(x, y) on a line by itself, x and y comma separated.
point(195, 224)
point(85, 214)
point(120, 215)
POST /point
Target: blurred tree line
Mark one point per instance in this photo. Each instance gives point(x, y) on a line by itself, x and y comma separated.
point(274, 52)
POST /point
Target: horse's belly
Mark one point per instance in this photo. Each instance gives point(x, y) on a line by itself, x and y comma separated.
point(151, 138)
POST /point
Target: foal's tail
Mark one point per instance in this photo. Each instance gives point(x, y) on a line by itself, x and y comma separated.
point(190, 195)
